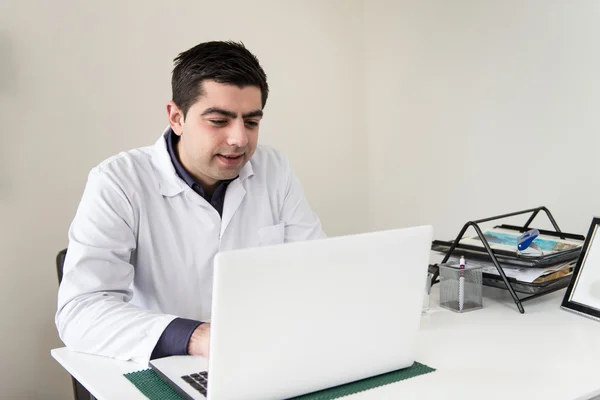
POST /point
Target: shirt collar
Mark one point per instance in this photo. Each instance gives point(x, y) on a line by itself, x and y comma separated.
point(172, 140)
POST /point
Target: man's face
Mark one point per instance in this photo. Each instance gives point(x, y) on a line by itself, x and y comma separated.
point(220, 132)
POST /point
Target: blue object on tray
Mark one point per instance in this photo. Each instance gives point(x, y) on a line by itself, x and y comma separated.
point(525, 244)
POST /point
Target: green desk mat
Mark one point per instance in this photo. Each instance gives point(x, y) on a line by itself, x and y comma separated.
point(153, 387)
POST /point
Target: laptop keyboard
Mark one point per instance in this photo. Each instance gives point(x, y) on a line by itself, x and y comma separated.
point(198, 381)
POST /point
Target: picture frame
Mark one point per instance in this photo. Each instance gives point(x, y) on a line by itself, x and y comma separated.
point(583, 293)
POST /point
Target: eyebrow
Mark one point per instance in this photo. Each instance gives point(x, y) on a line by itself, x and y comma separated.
point(231, 114)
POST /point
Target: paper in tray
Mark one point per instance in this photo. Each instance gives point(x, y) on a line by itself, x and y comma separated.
point(528, 288)
point(557, 247)
point(518, 286)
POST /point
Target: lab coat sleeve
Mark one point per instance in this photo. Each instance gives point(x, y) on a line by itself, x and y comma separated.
point(301, 222)
point(94, 314)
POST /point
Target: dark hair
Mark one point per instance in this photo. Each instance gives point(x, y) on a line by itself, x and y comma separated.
point(224, 62)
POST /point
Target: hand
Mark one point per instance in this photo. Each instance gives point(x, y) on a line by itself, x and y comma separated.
point(200, 341)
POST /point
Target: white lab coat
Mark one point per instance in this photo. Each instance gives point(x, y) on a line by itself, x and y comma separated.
point(142, 243)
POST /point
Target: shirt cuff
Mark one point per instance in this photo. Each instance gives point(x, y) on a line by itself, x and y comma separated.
point(175, 338)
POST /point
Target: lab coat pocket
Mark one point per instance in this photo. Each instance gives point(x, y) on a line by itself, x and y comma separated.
point(274, 234)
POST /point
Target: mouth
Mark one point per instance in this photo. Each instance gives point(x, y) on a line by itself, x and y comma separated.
point(230, 159)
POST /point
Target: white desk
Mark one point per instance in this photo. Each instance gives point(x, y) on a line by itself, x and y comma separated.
point(491, 353)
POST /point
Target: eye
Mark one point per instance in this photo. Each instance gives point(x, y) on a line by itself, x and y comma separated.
point(218, 122)
point(251, 124)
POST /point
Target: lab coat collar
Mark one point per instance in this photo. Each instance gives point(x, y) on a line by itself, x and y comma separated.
point(170, 184)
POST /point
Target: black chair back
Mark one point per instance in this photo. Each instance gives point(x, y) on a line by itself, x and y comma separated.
point(60, 262)
point(79, 391)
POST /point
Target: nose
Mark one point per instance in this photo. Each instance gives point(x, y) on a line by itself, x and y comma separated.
point(236, 136)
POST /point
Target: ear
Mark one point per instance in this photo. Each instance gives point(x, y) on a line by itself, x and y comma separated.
point(175, 116)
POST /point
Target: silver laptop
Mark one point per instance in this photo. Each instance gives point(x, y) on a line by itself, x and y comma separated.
point(301, 317)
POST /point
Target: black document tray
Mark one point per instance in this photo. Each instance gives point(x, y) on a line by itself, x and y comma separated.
point(499, 256)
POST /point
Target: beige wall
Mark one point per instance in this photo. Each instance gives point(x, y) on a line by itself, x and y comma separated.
point(477, 108)
point(80, 81)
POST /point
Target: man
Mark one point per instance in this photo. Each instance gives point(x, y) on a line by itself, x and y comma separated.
point(137, 277)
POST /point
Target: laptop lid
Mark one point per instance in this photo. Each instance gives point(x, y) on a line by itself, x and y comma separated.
point(300, 317)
